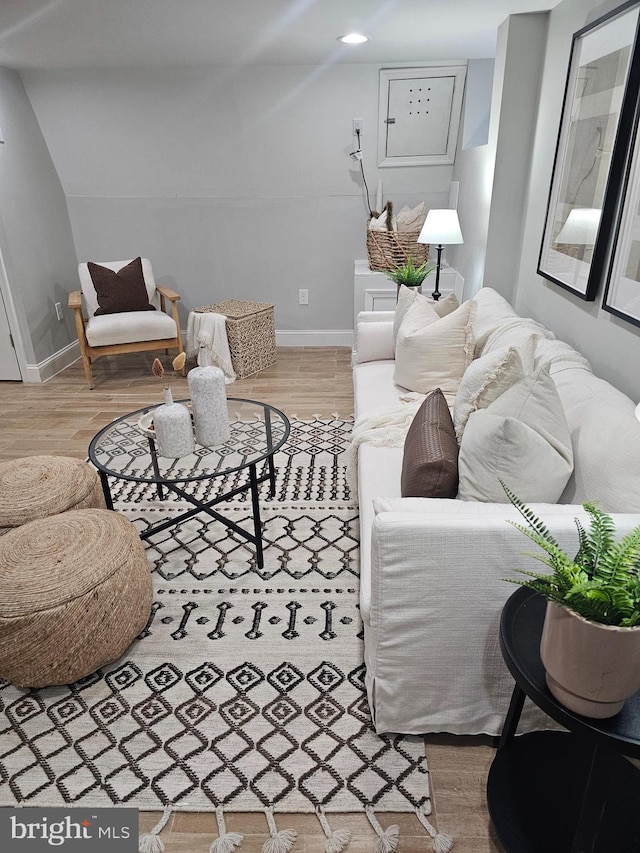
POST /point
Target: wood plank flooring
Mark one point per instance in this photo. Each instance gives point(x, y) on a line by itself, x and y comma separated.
point(61, 416)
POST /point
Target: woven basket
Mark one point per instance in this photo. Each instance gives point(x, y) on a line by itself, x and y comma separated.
point(390, 249)
point(250, 332)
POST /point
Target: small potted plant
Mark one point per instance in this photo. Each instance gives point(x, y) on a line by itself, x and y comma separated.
point(590, 644)
point(409, 274)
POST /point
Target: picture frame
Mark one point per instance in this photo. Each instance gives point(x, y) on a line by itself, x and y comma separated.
point(622, 291)
point(596, 125)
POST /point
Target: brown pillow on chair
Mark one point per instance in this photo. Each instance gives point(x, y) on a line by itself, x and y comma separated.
point(120, 291)
point(430, 461)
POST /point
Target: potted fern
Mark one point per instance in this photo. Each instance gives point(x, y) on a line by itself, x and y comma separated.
point(590, 644)
point(409, 274)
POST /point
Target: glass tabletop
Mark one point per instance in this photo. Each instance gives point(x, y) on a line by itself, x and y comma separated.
point(125, 448)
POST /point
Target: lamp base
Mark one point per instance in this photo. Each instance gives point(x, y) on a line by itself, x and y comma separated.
point(436, 293)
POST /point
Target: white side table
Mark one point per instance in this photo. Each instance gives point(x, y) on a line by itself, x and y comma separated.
point(373, 291)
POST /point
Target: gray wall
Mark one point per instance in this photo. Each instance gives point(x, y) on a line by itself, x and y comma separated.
point(611, 345)
point(235, 184)
point(520, 55)
point(473, 170)
point(35, 234)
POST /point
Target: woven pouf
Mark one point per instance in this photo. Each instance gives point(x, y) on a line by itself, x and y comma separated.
point(75, 590)
point(39, 486)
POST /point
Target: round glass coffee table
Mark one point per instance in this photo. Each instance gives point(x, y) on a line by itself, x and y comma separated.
point(126, 450)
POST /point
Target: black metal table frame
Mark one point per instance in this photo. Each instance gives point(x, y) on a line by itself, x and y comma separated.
point(198, 505)
point(605, 740)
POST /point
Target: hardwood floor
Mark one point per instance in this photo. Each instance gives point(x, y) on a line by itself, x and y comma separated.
point(61, 416)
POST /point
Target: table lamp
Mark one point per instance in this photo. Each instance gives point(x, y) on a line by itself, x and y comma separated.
point(581, 227)
point(441, 227)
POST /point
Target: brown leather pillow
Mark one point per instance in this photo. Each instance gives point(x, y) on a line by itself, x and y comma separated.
point(430, 461)
point(120, 291)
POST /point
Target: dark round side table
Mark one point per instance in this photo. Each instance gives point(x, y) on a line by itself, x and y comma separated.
point(556, 791)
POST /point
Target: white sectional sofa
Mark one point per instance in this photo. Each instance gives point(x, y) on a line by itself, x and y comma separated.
point(433, 569)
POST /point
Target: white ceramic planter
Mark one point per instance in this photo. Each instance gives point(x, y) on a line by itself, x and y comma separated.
point(592, 669)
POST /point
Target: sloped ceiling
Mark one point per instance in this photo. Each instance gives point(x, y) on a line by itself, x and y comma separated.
point(48, 34)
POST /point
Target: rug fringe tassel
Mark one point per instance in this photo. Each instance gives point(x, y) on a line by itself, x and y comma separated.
point(226, 842)
point(442, 842)
point(336, 840)
point(151, 842)
point(280, 842)
point(388, 837)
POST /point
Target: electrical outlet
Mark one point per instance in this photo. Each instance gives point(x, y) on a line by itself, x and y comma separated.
point(357, 126)
point(59, 310)
point(303, 297)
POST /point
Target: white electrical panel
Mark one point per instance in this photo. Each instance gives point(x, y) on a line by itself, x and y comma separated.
point(419, 115)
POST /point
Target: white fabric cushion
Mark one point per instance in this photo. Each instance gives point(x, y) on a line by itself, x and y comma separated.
point(408, 296)
point(129, 327)
point(89, 291)
point(606, 442)
point(514, 332)
point(373, 388)
point(374, 342)
point(523, 439)
point(491, 311)
point(433, 352)
point(488, 377)
point(411, 220)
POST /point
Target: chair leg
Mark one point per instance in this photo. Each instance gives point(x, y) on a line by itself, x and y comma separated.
point(86, 361)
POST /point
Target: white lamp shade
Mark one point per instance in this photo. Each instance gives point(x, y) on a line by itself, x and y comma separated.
point(638, 411)
point(580, 227)
point(441, 226)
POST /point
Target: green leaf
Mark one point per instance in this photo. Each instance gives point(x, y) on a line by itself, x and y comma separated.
point(602, 582)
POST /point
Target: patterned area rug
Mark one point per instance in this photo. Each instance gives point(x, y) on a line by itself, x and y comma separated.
point(245, 691)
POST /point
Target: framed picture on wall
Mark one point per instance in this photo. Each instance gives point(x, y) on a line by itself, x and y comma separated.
point(622, 293)
point(591, 152)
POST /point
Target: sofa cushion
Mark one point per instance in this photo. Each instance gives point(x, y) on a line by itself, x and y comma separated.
point(492, 310)
point(430, 458)
point(488, 377)
point(523, 439)
point(407, 296)
point(434, 352)
point(515, 332)
point(130, 327)
point(124, 290)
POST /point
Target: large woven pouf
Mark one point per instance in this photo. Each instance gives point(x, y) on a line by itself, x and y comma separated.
point(75, 590)
point(38, 486)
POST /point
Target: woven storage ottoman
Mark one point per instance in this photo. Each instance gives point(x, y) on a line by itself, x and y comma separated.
point(75, 590)
point(251, 333)
point(38, 486)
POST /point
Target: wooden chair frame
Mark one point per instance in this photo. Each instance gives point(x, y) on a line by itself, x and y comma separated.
point(90, 353)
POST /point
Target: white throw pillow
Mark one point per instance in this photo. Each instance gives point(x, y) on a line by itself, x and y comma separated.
point(492, 310)
point(407, 296)
point(522, 438)
point(488, 377)
point(374, 341)
point(433, 352)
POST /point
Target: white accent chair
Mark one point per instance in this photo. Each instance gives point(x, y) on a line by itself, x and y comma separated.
point(129, 331)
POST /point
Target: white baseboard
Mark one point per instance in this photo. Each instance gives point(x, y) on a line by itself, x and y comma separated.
point(54, 364)
point(314, 337)
point(48, 368)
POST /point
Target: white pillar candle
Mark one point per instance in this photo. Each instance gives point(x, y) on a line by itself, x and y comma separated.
point(208, 402)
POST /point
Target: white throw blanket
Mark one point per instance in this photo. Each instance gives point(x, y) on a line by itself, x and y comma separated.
point(206, 328)
point(387, 428)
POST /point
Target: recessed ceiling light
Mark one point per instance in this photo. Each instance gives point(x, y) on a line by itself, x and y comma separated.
point(353, 38)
